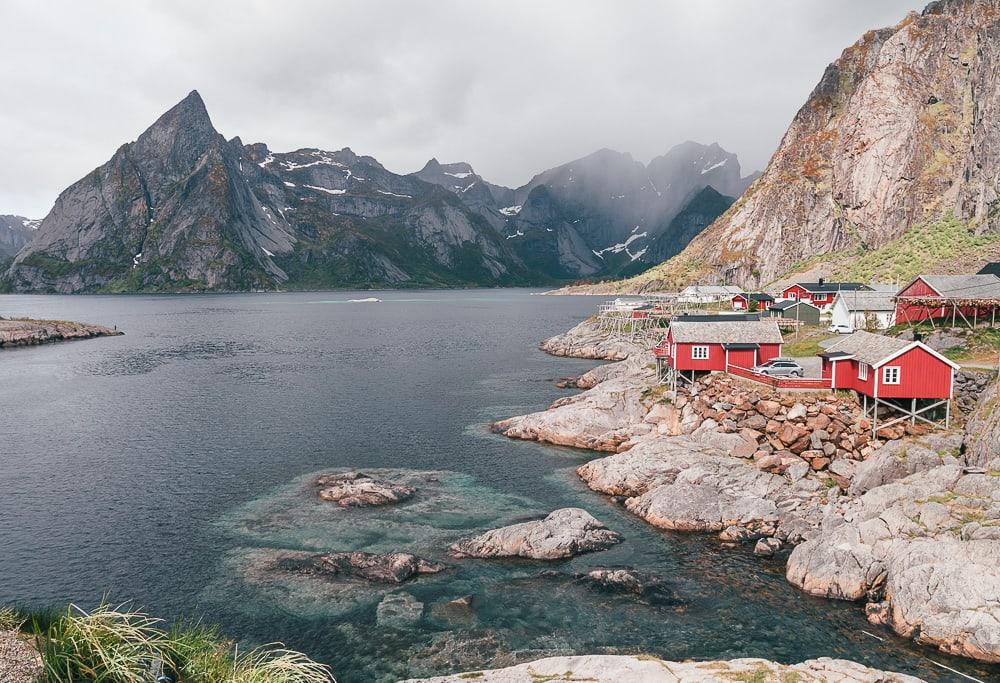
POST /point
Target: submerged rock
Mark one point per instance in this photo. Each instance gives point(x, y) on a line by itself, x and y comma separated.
point(644, 669)
point(399, 610)
point(354, 489)
point(457, 611)
point(563, 533)
point(375, 567)
point(649, 588)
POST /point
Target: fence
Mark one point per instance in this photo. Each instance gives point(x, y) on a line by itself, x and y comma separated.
point(780, 382)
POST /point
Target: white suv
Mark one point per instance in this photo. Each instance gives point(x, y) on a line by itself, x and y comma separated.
point(841, 329)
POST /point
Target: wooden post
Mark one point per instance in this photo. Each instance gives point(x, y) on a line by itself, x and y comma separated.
point(913, 411)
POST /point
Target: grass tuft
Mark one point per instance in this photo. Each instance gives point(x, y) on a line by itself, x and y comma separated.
point(120, 645)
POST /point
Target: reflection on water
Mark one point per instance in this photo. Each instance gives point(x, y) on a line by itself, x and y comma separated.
point(160, 466)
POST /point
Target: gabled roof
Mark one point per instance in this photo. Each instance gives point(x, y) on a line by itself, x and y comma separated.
point(716, 318)
point(728, 332)
point(878, 349)
point(755, 296)
point(963, 286)
point(867, 301)
point(823, 287)
point(992, 268)
point(789, 303)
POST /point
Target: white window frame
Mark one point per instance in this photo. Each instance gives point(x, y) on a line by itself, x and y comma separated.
point(819, 297)
point(697, 351)
point(897, 371)
point(863, 371)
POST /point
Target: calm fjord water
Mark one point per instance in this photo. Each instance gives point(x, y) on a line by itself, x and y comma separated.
point(156, 466)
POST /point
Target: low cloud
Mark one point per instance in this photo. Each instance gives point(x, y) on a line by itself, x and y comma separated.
point(513, 87)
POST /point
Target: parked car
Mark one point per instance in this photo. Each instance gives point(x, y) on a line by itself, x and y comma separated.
point(780, 367)
point(840, 328)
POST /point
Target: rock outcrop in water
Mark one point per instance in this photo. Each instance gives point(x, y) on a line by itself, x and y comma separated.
point(375, 567)
point(563, 533)
point(354, 489)
point(621, 668)
point(30, 332)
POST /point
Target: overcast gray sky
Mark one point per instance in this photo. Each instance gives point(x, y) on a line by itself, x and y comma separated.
point(512, 87)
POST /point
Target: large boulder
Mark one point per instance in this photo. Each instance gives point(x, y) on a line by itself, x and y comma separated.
point(563, 533)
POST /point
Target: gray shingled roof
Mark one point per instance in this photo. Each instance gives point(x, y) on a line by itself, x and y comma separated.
point(965, 286)
point(735, 332)
point(869, 301)
point(867, 347)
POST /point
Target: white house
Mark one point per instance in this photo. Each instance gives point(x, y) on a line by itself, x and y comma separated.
point(707, 294)
point(861, 310)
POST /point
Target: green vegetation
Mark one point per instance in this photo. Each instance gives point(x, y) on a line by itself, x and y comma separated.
point(118, 645)
point(921, 249)
point(806, 342)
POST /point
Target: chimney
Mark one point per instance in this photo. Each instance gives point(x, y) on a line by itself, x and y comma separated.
point(821, 280)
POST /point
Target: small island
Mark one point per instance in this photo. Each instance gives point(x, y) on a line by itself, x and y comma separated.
point(26, 332)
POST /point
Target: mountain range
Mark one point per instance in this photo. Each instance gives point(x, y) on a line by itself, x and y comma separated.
point(183, 208)
point(896, 144)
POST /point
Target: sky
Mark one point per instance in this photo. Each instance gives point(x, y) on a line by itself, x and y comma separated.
point(513, 87)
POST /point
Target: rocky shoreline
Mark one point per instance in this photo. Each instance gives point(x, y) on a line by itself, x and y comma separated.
point(25, 332)
point(908, 523)
point(643, 669)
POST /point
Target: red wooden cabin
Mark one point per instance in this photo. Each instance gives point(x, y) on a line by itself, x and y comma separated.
point(973, 298)
point(701, 346)
point(908, 377)
point(741, 302)
point(820, 293)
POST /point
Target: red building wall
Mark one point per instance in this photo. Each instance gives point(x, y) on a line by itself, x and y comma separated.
point(743, 358)
point(767, 352)
point(922, 375)
point(796, 292)
point(716, 358)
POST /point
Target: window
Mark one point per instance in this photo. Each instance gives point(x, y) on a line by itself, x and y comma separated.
point(699, 352)
point(890, 374)
point(862, 371)
point(819, 297)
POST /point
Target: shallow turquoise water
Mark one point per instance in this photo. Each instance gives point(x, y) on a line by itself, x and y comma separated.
point(158, 466)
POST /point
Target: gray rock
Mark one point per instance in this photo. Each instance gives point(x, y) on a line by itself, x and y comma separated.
point(375, 567)
point(563, 533)
point(643, 669)
point(354, 489)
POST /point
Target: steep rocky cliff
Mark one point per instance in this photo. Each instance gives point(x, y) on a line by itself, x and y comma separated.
point(183, 208)
point(901, 130)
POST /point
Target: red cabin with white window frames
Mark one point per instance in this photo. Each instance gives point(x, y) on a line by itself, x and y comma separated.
point(908, 377)
point(715, 345)
point(741, 302)
point(821, 293)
